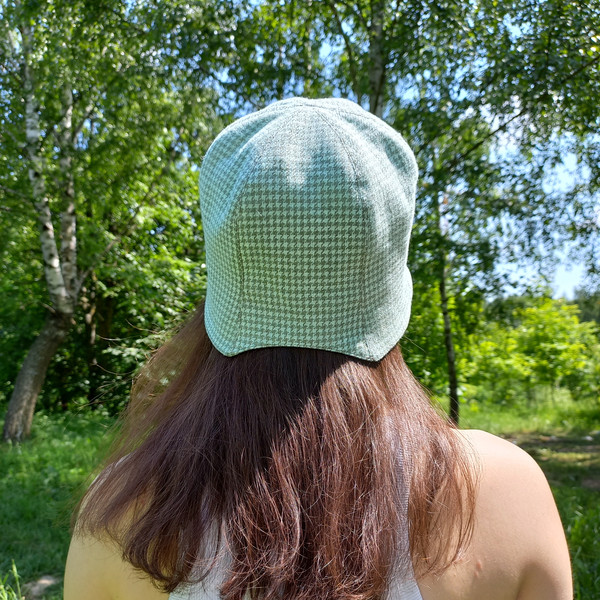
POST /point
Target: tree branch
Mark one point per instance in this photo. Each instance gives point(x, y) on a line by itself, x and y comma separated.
point(89, 111)
point(349, 51)
point(130, 224)
point(14, 193)
point(121, 18)
point(523, 111)
point(118, 74)
point(377, 57)
point(10, 74)
point(356, 11)
point(19, 145)
point(233, 87)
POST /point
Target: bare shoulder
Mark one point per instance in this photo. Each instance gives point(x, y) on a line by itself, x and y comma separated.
point(517, 521)
point(503, 465)
point(505, 470)
point(490, 447)
point(95, 570)
point(512, 488)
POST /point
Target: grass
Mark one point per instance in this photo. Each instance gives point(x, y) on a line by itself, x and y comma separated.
point(7, 591)
point(39, 481)
point(561, 417)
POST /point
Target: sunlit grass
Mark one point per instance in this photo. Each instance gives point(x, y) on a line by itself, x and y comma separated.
point(10, 585)
point(561, 416)
point(39, 483)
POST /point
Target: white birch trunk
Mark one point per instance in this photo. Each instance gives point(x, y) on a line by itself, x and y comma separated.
point(57, 289)
point(19, 414)
point(68, 233)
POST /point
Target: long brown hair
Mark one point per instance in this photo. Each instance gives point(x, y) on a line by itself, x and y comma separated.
point(316, 474)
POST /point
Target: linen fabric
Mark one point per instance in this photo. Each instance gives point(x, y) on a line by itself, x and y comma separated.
point(405, 590)
point(307, 208)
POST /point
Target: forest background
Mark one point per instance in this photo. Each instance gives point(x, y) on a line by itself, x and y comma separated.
point(106, 109)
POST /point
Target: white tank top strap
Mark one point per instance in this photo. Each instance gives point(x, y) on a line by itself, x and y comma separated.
point(405, 590)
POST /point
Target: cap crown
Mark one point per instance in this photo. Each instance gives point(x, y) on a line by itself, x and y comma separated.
point(307, 207)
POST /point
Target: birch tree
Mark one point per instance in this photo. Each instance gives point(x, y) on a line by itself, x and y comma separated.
point(59, 265)
point(80, 81)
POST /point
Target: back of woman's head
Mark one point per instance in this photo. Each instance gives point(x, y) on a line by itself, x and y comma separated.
point(279, 437)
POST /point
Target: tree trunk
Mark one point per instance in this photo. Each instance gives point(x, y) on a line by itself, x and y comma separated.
point(28, 385)
point(59, 295)
point(68, 233)
point(60, 270)
point(450, 355)
point(448, 341)
point(307, 49)
point(355, 83)
point(88, 301)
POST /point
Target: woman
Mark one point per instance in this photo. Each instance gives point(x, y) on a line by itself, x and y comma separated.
point(278, 446)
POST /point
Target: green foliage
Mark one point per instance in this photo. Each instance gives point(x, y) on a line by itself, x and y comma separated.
point(535, 348)
point(39, 484)
point(21, 310)
point(492, 97)
point(141, 130)
point(588, 301)
point(424, 339)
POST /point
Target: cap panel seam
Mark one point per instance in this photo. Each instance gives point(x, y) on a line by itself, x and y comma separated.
point(364, 224)
point(251, 171)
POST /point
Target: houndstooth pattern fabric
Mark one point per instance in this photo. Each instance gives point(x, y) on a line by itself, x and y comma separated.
point(307, 208)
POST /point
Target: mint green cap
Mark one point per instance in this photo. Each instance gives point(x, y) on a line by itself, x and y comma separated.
point(307, 208)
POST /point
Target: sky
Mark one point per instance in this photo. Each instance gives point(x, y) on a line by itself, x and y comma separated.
point(566, 279)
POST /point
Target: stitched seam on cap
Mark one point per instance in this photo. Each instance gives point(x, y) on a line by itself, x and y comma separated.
point(407, 150)
point(251, 171)
point(324, 118)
